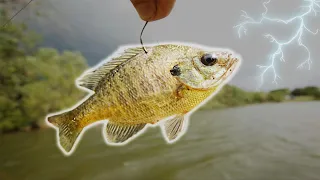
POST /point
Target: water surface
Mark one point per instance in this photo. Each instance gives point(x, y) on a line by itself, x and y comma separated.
point(261, 142)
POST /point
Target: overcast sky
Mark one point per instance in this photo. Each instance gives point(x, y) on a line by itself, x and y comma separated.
point(99, 27)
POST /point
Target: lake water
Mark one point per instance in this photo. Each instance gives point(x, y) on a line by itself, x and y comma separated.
point(260, 142)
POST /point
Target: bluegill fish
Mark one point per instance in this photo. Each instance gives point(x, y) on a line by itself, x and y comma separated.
point(136, 89)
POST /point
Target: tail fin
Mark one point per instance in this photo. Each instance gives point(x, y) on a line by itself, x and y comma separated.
point(67, 132)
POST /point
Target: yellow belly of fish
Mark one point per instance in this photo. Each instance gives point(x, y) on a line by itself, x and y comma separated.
point(156, 108)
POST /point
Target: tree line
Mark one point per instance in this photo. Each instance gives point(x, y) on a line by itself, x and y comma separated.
point(33, 81)
point(231, 96)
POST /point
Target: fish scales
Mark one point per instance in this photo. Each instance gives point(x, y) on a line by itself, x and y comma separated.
point(139, 88)
point(130, 99)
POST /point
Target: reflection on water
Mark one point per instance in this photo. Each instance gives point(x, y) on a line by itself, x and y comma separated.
point(272, 141)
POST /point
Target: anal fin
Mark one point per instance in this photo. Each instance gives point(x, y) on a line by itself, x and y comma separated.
point(173, 127)
point(118, 133)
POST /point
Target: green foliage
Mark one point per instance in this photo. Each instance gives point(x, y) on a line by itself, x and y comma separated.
point(258, 97)
point(15, 39)
point(34, 83)
point(231, 96)
point(297, 92)
point(317, 95)
point(311, 90)
point(278, 95)
point(307, 91)
point(285, 91)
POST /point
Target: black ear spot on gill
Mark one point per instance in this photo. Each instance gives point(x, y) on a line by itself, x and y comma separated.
point(175, 71)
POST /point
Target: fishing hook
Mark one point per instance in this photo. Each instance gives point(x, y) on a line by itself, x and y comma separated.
point(141, 37)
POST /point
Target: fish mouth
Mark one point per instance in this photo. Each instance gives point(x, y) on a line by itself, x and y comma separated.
point(232, 65)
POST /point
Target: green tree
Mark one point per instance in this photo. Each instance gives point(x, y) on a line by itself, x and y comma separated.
point(297, 92)
point(307, 91)
point(311, 90)
point(258, 97)
point(230, 96)
point(284, 91)
point(278, 95)
point(33, 82)
point(317, 96)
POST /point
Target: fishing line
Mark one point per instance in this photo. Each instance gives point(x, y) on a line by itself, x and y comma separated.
point(6, 23)
point(141, 37)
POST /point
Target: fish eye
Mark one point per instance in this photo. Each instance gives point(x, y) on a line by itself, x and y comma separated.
point(208, 59)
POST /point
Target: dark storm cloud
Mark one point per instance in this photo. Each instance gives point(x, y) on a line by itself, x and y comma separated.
point(99, 27)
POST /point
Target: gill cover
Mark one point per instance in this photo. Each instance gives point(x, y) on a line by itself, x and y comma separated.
point(201, 73)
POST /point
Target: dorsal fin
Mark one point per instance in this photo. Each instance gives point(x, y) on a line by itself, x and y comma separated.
point(91, 79)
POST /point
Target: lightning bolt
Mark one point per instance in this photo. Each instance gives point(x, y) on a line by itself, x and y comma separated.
point(311, 7)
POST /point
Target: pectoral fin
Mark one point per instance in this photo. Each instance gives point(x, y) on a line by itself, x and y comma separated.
point(178, 92)
point(118, 133)
point(173, 127)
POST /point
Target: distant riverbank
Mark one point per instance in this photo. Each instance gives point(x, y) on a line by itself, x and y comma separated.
point(231, 96)
point(211, 105)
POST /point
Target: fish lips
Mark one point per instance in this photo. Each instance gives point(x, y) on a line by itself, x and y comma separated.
point(233, 66)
